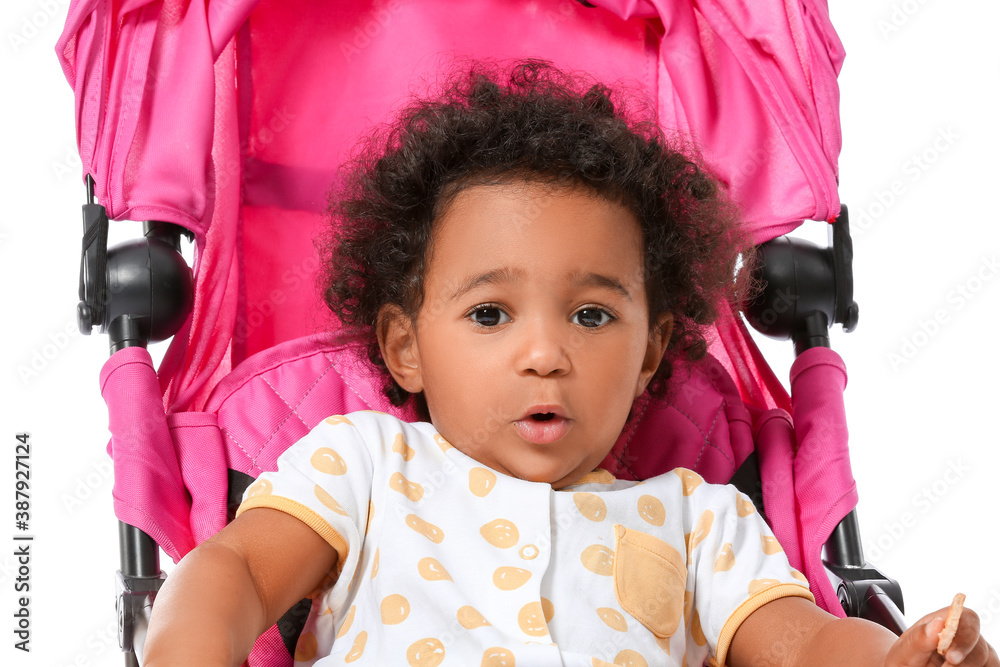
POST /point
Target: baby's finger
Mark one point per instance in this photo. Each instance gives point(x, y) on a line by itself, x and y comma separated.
point(917, 647)
point(967, 644)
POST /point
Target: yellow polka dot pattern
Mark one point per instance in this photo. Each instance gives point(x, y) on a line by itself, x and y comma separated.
point(651, 510)
point(548, 610)
point(441, 442)
point(345, 627)
point(338, 419)
point(612, 619)
point(262, 487)
point(375, 565)
point(501, 533)
point(697, 634)
point(744, 507)
point(726, 559)
point(412, 490)
point(591, 506)
point(481, 481)
point(528, 552)
point(630, 658)
point(599, 559)
point(469, 618)
point(428, 530)
point(689, 480)
point(394, 609)
point(400, 447)
point(770, 545)
point(497, 657)
point(700, 532)
point(358, 648)
point(427, 652)
point(531, 620)
point(508, 578)
point(431, 570)
point(326, 460)
point(328, 500)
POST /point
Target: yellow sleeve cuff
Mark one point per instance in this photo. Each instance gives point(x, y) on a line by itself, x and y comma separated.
point(748, 607)
point(306, 516)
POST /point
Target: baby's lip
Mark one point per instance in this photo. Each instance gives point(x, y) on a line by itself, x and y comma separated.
point(543, 432)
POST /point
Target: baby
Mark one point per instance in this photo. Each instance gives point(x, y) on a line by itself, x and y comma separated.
point(522, 261)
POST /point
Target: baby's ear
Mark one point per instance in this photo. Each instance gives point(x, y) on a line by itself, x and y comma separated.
point(659, 338)
point(398, 344)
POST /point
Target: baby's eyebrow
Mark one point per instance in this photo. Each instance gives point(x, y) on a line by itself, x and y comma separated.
point(600, 280)
point(494, 277)
point(509, 275)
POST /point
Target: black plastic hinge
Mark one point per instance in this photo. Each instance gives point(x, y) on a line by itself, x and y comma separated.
point(93, 264)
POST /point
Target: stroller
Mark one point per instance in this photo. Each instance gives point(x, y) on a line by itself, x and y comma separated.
point(225, 121)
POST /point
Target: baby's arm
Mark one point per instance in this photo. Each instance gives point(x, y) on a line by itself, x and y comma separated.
point(795, 632)
point(232, 587)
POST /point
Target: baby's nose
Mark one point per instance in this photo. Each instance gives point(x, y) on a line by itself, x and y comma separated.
point(544, 350)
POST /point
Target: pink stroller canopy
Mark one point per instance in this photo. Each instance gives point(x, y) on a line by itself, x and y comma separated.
point(191, 113)
point(754, 83)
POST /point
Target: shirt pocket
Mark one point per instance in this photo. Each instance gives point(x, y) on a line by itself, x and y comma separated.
point(649, 577)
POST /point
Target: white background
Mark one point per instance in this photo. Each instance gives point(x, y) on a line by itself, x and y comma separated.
point(921, 81)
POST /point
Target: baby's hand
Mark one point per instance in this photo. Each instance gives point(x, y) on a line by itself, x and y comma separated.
point(918, 646)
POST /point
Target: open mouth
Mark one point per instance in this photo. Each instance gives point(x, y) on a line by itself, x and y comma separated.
point(544, 426)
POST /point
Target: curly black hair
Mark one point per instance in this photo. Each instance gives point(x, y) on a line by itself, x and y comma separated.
point(527, 122)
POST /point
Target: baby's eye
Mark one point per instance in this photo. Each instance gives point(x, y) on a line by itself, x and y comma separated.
point(592, 317)
point(489, 316)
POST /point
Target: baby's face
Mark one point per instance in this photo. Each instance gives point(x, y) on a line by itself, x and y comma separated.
point(533, 339)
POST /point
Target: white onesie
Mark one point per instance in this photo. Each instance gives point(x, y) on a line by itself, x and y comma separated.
point(442, 561)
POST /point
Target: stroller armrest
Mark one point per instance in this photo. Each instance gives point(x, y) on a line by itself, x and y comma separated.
point(862, 589)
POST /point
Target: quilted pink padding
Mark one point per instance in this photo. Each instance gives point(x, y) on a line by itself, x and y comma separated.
point(278, 396)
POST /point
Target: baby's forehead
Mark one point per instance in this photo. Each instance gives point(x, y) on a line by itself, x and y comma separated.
point(530, 196)
point(523, 233)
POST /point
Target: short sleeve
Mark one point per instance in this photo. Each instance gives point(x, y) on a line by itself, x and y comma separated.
point(737, 565)
point(325, 481)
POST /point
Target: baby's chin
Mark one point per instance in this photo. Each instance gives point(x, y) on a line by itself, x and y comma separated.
point(561, 481)
point(535, 465)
